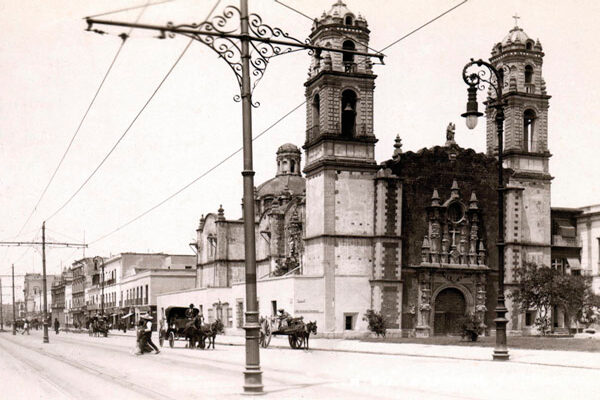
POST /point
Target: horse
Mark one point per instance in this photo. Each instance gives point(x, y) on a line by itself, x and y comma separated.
point(310, 327)
point(210, 332)
point(193, 331)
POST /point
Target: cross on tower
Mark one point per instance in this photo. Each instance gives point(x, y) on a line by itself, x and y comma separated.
point(516, 17)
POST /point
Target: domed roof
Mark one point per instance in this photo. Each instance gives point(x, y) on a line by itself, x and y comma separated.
point(516, 34)
point(288, 148)
point(275, 186)
point(339, 9)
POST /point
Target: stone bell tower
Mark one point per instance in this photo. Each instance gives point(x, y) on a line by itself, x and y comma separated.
point(527, 216)
point(340, 167)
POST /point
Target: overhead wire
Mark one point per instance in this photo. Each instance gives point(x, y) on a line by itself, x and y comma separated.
point(132, 122)
point(186, 186)
point(128, 9)
point(85, 114)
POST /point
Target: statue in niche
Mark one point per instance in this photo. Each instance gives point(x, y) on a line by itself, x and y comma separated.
point(450, 132)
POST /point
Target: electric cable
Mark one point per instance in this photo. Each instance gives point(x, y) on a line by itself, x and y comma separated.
point(132, 122)
point(197, 178)
point(128, 9)
point(123, 39)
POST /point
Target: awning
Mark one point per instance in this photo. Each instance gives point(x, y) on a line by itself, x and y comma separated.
point(574, 263)
point(126, 315)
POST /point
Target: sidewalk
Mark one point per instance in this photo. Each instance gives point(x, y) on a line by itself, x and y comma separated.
point(572, 359)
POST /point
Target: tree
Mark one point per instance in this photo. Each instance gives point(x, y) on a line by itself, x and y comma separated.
point(543, 288)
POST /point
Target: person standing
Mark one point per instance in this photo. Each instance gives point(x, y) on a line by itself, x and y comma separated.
point(56, 325)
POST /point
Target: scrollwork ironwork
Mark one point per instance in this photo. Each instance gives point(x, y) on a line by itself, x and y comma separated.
point(229, 48)
point(489, 75)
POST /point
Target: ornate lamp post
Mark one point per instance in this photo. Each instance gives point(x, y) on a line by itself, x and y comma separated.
point(476, 78)
point(247, 45)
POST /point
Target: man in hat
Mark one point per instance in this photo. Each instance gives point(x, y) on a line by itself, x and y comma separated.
point(190, 313)
point(147, 336)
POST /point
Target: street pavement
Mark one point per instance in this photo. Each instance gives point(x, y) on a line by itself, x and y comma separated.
point(77, 366)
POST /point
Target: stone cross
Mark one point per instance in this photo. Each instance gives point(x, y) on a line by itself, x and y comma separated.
point(516, 17)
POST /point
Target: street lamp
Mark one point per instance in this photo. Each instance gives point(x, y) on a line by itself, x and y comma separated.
point(487, 73)
point(98, 260)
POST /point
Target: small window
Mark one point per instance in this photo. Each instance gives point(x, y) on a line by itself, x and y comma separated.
point(348, 322)
point(348, 20)
point(528, 130)
point(529, 318)
point(292, 166)
point(529, 45)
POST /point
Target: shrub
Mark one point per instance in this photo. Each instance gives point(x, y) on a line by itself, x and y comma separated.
point(376, 322)
point(471, 327)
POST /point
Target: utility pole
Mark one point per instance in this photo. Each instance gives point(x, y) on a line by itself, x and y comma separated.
point(14, 324)
point(233, 43)
point(1, 309)
point(44, 279)
point(44, 284)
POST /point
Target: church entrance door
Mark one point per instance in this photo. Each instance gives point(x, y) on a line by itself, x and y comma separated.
point(450, 307)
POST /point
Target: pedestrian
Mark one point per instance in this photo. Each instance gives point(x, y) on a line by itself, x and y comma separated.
point(148, 332)
point(56, 325)
point(25, 327)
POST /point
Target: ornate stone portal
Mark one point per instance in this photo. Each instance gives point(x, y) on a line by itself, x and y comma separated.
point(453, 259)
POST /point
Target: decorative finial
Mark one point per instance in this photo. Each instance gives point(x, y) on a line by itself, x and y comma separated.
point(221, 213)
point(473, 203)
point(516, 18)
point(450, 132)
point(435, 198)
point(454, 189)
point(397, 148)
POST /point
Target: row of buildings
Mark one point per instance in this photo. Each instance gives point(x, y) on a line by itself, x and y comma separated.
point(120, 286)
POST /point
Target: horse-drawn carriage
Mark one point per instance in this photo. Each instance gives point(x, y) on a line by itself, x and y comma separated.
point(180, 325)
point(98, 325)
point(172, 327)
point(295, 329)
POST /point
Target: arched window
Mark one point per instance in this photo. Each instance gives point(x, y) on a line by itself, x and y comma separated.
point(528, 74)
point(292, 166)
point(348, 113)
point(528, 129)
point(348, 20)
point(316, 114)
point(529, 45)
point(348, 57)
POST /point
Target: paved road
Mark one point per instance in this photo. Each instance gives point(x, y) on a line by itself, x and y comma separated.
point(76, 366)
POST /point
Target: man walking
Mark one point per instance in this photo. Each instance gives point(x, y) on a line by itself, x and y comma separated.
point(147, 338)
point(56, 325)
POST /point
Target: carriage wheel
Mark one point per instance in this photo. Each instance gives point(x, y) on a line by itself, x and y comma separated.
point(171, 339)
point(294, 341)
point(265, 334)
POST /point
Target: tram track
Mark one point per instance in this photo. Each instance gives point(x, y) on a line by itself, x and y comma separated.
point(88, 368)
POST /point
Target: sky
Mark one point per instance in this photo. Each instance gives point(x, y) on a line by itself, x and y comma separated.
point(51, 68)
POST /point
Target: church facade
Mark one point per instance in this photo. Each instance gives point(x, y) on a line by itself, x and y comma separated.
point(413, 237)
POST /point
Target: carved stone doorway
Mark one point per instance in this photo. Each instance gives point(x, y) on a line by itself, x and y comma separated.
point(450, 307)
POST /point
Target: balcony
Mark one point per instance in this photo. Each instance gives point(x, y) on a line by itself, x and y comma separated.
point(561, 241)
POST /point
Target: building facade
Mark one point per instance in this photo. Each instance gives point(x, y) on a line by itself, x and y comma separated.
point(413, 237)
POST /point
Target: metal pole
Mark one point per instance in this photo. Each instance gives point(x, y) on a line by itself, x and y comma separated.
point(14, 324)
point(1, 309)
point(102, 291)
point(44, 285)
point(252, 373)
point(501, 350)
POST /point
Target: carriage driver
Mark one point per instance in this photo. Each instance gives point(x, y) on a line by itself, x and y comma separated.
point(283, 316)
point(190, 313)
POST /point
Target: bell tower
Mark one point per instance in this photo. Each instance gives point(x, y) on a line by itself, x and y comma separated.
point(340, 166)
point(527, 196)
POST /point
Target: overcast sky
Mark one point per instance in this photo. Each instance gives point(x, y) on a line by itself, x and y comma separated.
point(51, 68)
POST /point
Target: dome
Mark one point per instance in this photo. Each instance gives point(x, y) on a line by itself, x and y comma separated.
point(517, 35)
point(288, 148)
point(275, 186)
point(339, 9)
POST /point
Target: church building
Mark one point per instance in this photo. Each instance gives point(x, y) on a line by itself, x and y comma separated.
point(413, 237)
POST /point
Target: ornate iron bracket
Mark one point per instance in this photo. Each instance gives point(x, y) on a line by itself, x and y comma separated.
point(222, 34)
point(486, 74)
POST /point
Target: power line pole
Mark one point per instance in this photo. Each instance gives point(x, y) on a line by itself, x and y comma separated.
point(234, 48)
point(44, 278)
point(14, 323)
point(1, 309)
